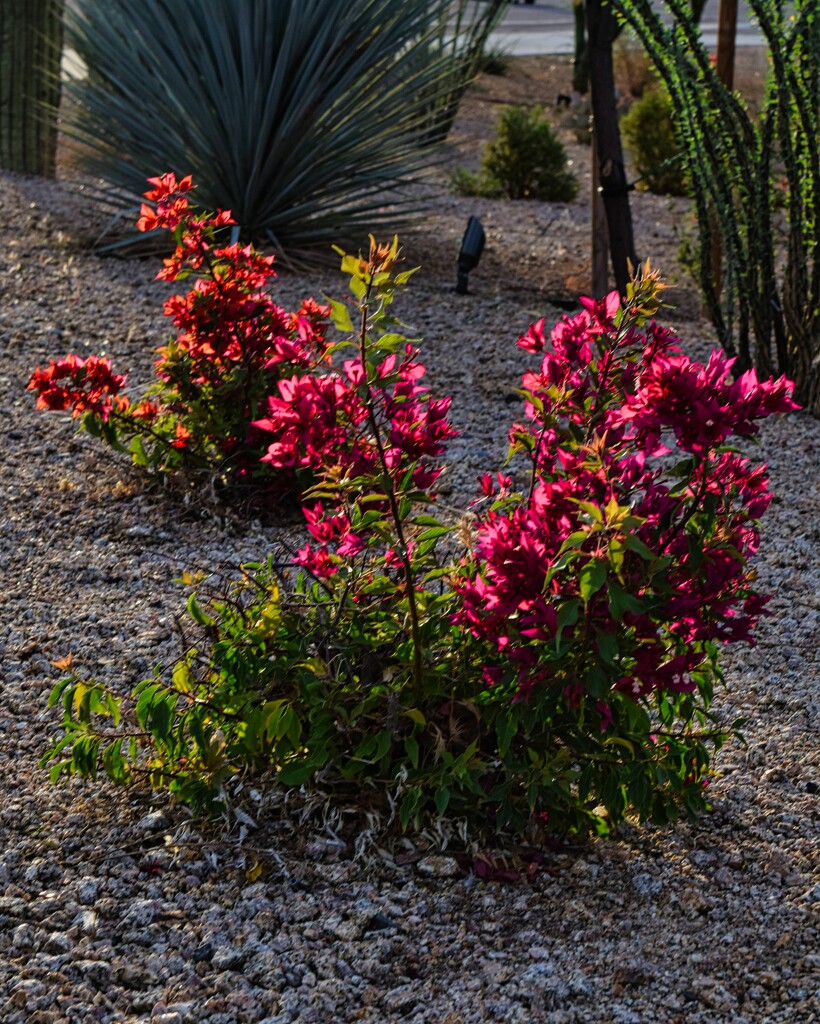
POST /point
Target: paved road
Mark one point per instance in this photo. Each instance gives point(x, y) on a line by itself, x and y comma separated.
point(548, 28)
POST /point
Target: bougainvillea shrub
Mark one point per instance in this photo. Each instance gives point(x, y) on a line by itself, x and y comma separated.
point(546, 660)
point(233, 343)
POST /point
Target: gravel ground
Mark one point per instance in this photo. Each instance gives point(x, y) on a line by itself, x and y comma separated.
point(116, 907)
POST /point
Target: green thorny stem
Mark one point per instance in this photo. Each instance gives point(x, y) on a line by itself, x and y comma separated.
point(418, 664)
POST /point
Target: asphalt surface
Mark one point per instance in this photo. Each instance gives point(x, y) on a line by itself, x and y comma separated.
point(538, 28)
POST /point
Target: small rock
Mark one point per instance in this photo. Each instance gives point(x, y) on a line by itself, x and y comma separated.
point(87, 889)
point(97, 972)
point(141, 913)
point(647, 885)
point(227, 958)
point(24, 937)
point(403, 998)
point(437, 866)
point(203, 953)
point(58, 942)
point(155, 821)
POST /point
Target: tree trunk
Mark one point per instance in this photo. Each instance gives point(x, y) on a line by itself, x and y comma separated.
point(602, 28)
point(31, 39)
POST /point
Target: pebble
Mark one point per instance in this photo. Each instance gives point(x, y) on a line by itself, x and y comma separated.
point(438, 867)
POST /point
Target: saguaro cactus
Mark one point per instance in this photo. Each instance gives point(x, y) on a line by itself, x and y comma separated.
point(31, 39)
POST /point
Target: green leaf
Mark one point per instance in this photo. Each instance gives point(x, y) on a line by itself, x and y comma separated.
point(607, 647)
point(568, 613)
point(137, 449)
point(695, 552)
point(620, 602)
point(197, 614)
point(434, 533)
point(409, 806)
point(411, 746)
point(340, 315)
point(592, 578)
point(505, 729)
point(159, 721)
point(296, 773)
point(635, 544)
point(442, 799)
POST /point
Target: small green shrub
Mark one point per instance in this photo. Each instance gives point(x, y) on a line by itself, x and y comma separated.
point(525, 160)
point(650, 135)
point(470, 183)
point(528, 159)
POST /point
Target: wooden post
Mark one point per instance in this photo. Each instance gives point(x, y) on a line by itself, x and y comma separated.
point(602, 28)
point(600, 236)
point(727, 31)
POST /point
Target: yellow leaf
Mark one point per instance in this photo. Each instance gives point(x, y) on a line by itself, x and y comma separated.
point(254, 872)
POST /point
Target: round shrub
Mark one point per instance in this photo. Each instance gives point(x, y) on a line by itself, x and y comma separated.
point(649, 132)
point(527, 159)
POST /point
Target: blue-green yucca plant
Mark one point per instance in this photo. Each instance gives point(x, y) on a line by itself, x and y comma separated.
point(300, 116)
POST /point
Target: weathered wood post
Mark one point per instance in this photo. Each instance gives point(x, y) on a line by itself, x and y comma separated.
point(602, 28)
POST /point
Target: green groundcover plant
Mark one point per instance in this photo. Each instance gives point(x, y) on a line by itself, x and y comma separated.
point(548, 660)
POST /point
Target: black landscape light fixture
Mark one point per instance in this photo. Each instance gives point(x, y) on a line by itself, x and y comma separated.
point(472, 246)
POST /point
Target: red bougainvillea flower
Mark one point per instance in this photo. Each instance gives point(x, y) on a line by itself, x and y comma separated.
point(82, 385)
point(170, 197)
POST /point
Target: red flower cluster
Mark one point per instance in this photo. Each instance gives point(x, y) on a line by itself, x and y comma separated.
point(699, 403)
point(227, 319)
point(83, 385)
point(172, 204)
point(233, 344)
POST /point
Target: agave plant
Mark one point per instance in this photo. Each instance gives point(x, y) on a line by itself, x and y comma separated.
point(303, 117)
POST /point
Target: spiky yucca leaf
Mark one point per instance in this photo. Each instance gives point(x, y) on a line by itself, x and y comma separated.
point(303, 117)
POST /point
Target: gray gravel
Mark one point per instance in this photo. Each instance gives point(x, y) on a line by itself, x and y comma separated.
point(116, 907)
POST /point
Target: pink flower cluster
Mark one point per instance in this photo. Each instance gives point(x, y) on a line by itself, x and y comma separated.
point(352, 428)
point(636, 561)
